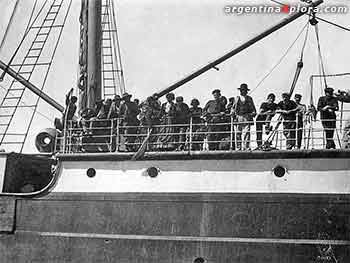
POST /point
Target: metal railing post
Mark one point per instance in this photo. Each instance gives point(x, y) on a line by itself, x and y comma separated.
point(117, 136)
point(190, 135)
point(231, 132)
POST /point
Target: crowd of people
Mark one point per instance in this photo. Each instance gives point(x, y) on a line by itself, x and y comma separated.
point(222, 123)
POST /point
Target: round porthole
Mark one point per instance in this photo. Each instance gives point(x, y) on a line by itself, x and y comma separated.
point(91, 172)
point(279, 171)
point(199, 260)
point(152, 172)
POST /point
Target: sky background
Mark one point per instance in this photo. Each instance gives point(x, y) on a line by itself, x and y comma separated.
point(162, 41)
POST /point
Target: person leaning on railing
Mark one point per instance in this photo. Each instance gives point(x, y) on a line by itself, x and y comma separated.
point(149, 116)
point(328, 105)
point(266, 113)
point(300, 114)
point(244, 110)
point(287, 108)
point(128, 113)
point(182, 116)
point(213, 112)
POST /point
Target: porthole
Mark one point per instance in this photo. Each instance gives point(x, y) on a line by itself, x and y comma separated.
point(279, 171)
point(91, 172)
point(152, 172)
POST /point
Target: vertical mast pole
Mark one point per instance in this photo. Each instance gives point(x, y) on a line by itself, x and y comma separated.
point(94, 52)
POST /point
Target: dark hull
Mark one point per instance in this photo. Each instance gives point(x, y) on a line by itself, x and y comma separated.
point(91, 227)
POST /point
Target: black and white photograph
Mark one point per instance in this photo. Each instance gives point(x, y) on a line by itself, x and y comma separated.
point(175, 131)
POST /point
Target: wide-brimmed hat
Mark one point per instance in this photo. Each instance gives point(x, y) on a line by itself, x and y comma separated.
point(243, 86)
point(126, 95)
point(298, 95)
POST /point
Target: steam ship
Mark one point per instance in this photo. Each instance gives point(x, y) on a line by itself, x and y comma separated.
point(107, 205)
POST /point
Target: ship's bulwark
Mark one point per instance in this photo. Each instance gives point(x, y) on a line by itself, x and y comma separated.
point(266, 224)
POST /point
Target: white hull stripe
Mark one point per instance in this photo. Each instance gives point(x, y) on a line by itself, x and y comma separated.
point(189, 238)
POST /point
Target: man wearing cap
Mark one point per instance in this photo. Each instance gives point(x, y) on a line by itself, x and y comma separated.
point(287, 108)
point(114, 110)
point(267, 111)
point(182, 117)
point(213, 112)
point(301, 111)
point(244, 110)
point(128, 113)
point(328, 105)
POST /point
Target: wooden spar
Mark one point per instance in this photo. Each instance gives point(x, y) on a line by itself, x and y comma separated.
point(237, 50)
point(94, 53)
point(31, 87)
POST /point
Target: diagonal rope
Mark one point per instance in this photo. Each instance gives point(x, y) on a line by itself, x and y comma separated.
point(9, 25)
point(281, 59)
point(25, 104)
point(333, 23)
point(320, 54)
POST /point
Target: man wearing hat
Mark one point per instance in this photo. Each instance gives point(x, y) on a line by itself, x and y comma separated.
point(300, 113)
point(266, 113)
point(287, 108)
point(244, 110)
point(328, 105)
point(114, 110)
point(182, 119)
point(128, 113)
point(213, 113)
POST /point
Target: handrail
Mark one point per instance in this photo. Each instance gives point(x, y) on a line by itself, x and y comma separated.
point(113, 136)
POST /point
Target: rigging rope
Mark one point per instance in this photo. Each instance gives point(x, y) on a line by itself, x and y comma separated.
point(23, 38)
point(281, 59)
point(25, 104)
point(320, 54)
point(300, 64)
point(332, 23)
point(9, 25)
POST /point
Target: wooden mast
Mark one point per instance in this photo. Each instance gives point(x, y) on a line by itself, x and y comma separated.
point(90, 53)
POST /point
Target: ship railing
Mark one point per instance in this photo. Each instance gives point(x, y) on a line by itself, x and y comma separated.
point(226, 135)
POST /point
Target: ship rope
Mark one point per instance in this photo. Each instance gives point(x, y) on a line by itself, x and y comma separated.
point(321, 60)
point(333, 23)
point(29, 25)
point(9, 25)
point(284, 55)
point(25, 104)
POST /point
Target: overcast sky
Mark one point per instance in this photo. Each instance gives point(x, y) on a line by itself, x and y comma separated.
point(163, 41)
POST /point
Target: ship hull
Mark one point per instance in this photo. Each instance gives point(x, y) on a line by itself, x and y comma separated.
point(235, 209)
point(177, 227)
